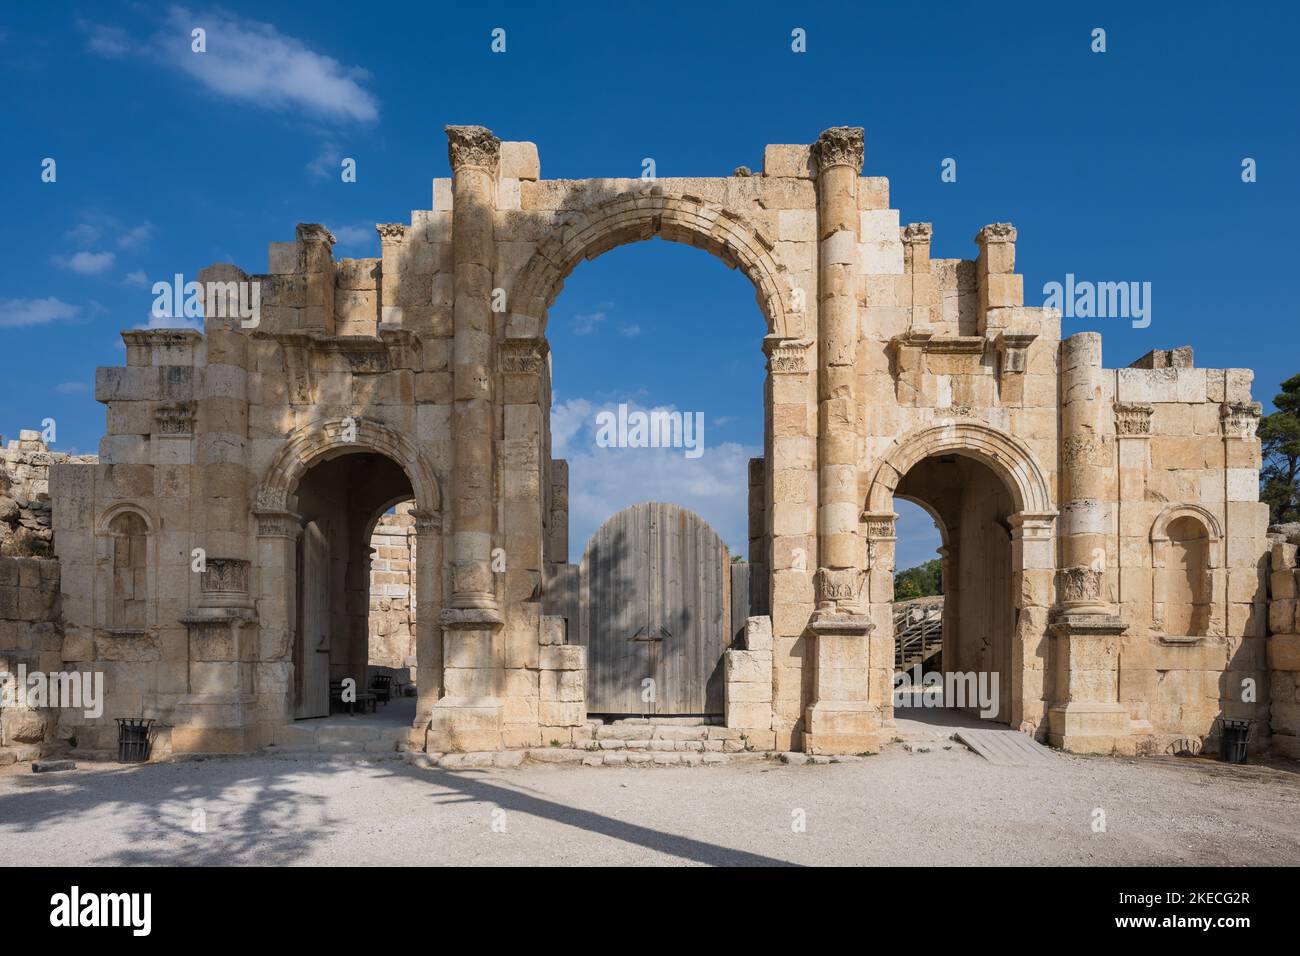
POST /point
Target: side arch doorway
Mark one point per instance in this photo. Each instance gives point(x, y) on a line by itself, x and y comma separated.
point(654, 612)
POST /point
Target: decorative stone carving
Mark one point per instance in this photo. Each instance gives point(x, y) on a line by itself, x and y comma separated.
point(175, 419)
point(314, 232)
point(225, 576)
point(1013, 347)
point(473, 146)
point(787, 355)
point(838, 585)
point(996, 232)
point(918, 232)
point(275, 523)
point(1079, 585)
point(523, 356)
point(1132, 419)
point(1240, 419)
point(880, 525)
point(390, 231)
point(839, 146)
point(427, 521)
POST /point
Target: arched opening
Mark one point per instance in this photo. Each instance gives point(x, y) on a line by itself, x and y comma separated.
point(971, 669)
point(129, 600)
point(659, 424)
point(340, 502)
point(1186, 573)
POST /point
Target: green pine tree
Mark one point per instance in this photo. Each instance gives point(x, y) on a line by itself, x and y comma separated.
point(1280, 435)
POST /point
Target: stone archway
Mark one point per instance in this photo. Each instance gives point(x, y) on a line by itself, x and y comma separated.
point(588, 231)
point(278, 526)
point(1030, 526)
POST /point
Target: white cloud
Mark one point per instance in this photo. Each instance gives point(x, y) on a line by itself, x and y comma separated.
point(112, 42)
point(86, 263)
point(72, 388)
point(83, 234)
point(253, 63)
point(631, 331)
point(136, 278)
point(16, 313)
point(327, 163)
point(355, 237)
point(603, 481)
point(169, 322)
point(138, 236)
point(588, 323)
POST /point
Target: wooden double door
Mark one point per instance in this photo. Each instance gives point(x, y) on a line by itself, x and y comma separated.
point(654, 613)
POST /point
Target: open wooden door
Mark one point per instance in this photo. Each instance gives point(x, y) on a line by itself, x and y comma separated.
point(312, 648)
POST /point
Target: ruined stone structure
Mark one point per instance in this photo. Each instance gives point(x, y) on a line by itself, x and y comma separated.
point(1105, 550)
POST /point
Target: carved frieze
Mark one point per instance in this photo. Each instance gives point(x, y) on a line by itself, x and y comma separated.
point(788, 356)
point(1240, 419)
point(1133, 419)
point(175, 418)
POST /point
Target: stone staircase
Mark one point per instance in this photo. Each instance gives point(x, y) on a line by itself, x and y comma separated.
point(661, 741)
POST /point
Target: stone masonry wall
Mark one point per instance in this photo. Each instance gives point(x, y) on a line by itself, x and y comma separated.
point(392, 590)
point(1284, 641)
point(31, 635)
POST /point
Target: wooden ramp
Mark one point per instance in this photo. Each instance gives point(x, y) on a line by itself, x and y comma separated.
point(1007, 748)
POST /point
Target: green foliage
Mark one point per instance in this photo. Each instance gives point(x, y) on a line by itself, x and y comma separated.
point(922, 581)
point(1280, 435)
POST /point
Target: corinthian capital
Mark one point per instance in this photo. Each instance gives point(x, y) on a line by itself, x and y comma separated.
point(839, 146)
point(473, 146)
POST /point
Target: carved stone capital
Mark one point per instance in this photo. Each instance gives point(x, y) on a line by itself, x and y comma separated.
point(175, 418)
point(314, 232)
point(1240, 419)
point(390, 231)
point(523, 356)
point(880, 525)
point(1133, 419)
point(473, 147)
point(277, 523)
point(1013, 347)
point(787, 355)
point(918, 232)
point(838, 586)
point(996, 232)
point(839, 146)
point(427, 521)
point(1079, 585)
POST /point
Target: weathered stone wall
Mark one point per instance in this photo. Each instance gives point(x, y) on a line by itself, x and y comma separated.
point(30, 637)
point(26, 527)
point(1284, 642)
point(392, 590)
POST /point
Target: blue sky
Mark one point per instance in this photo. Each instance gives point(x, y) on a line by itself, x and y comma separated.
point(1123, 165)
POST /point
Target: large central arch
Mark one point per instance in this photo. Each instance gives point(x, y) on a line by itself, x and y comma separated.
point(588, 231)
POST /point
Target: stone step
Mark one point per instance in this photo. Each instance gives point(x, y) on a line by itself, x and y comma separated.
point(668, 721)
point(662, 745)
point(660, 731)
point(645, 758)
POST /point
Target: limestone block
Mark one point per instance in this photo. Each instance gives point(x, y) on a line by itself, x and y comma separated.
point(565, 657)
point(553, 630)
point(758, 633)
point(748, 666)
point(562, 713)
point(282, 258)
point(442, 194)
point(519, 160)
point(794, 161)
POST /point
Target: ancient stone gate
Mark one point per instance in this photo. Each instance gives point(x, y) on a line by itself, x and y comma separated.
point(1122, 503)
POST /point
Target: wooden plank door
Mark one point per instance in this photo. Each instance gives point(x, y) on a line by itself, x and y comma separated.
point(313, 643)
point(655, 580)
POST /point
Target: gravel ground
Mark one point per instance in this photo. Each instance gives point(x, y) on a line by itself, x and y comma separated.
point(941, 807)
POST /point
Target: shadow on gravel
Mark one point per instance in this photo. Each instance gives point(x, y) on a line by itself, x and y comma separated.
point(266, 819)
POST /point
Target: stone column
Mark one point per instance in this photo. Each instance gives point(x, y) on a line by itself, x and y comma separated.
point(475, 154)
point(469, 715)
point(428, 624)
point(1087, 716)
point(840, 719)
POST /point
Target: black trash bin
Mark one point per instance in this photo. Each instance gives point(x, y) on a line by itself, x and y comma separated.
point(133, 739)
point(1234, 732)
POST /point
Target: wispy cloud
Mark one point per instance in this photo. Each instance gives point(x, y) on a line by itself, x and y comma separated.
point(585, 324)
point(359, 237)
point(629, 330)
point(137, 237)
point(86, 263)
point(603, 481)
point(248, 61)
point(170, 322)
point(136, 278)
point(16, 313)
point(72, 388)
